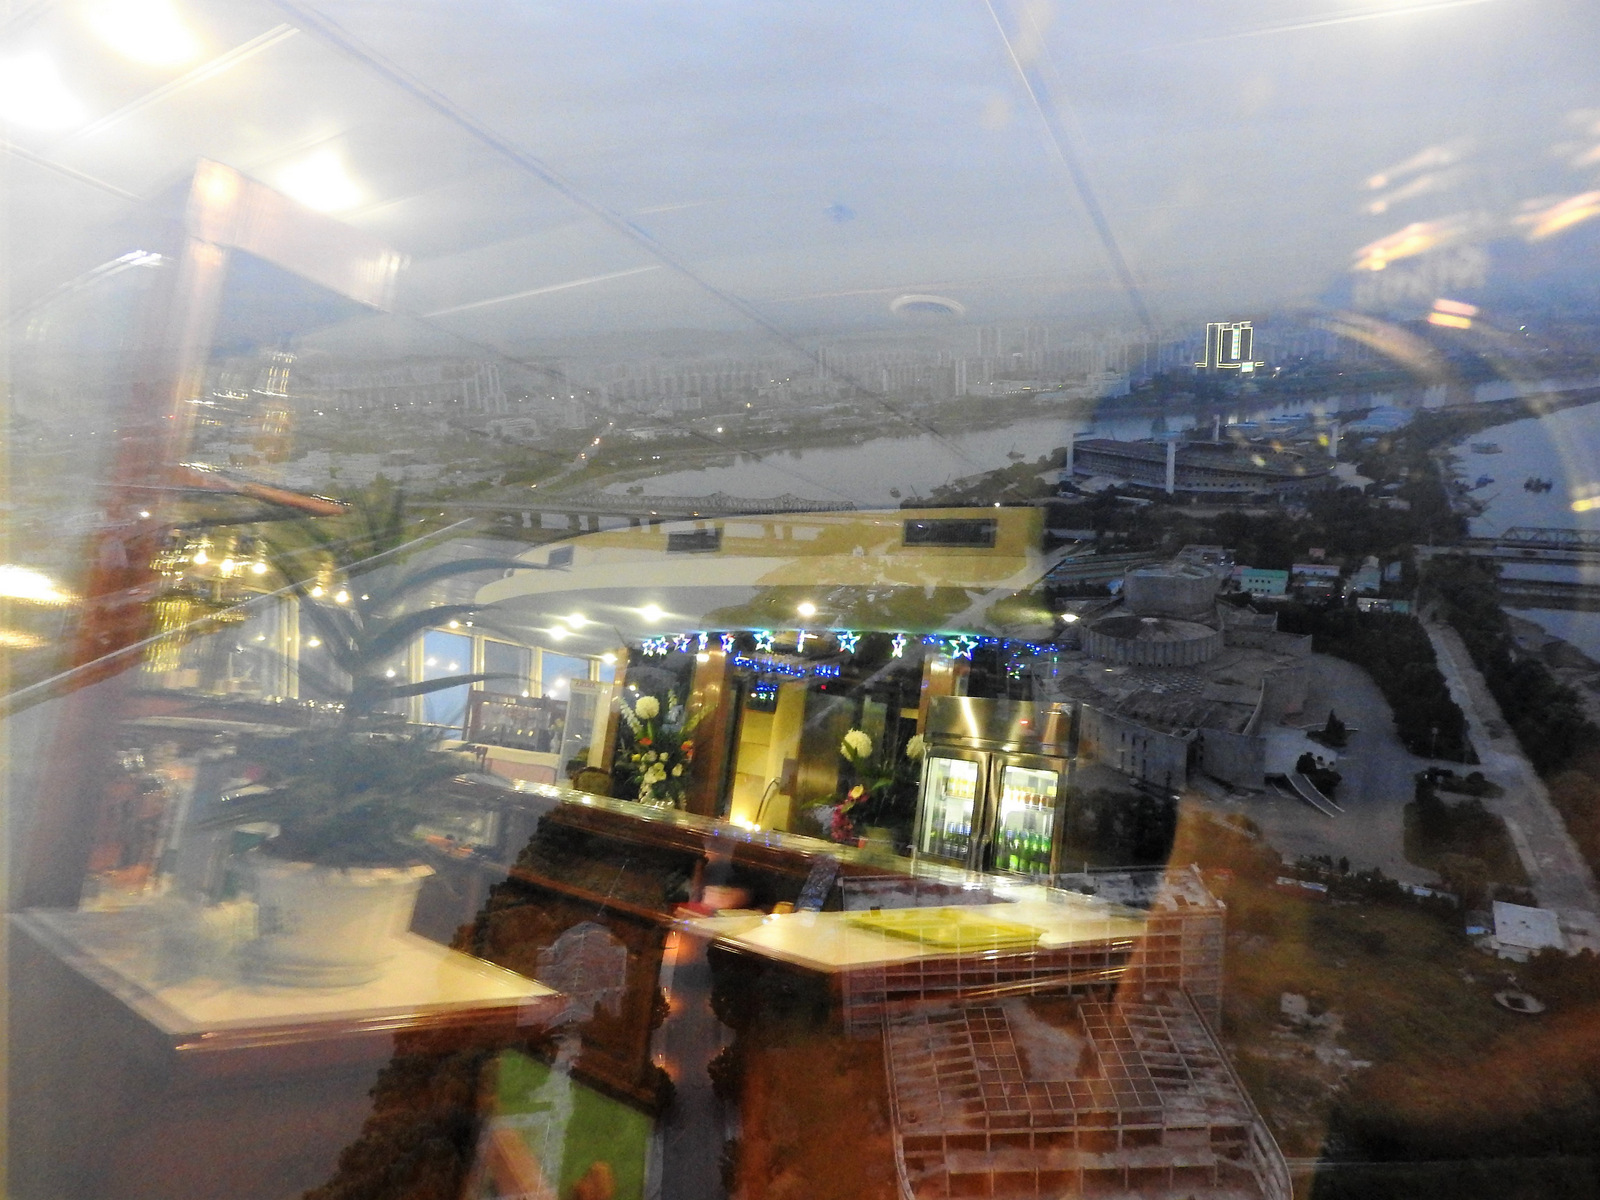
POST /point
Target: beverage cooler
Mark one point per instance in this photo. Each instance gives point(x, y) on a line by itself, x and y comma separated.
point(993, 784)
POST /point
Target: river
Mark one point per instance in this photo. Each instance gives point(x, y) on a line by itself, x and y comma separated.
point(1563, 447)
point(883, 471)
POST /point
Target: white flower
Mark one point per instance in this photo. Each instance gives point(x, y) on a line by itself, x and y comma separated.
point(677, 770)
point(655, 774)
point(915, 747)
point(649, 756)
point(647, 708)
point(856, 745)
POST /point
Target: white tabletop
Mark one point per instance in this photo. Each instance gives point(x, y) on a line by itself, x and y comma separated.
point(829, 942)
point(123, 952)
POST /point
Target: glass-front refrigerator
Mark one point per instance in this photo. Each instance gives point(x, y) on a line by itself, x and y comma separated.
point(993, 784)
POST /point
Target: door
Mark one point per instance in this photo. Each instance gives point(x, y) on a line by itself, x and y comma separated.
point(952, 786)
point(1026, 799)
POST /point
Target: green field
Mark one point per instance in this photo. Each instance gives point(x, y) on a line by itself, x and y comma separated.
point(600, 1129)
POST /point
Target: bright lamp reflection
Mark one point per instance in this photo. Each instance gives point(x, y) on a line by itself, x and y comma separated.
point(320, 181)
point(147, 31)
point(33, 96)
point(32, 587)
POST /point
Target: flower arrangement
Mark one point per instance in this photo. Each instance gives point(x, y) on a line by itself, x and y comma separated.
point(883, 788)
point(660, 748)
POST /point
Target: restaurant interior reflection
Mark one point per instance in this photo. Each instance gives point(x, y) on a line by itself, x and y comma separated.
point(425, 778)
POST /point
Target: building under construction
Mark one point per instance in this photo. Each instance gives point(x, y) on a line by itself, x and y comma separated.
point(1087, 1069)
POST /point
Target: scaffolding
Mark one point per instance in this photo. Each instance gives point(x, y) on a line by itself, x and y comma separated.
point(1152, 1108)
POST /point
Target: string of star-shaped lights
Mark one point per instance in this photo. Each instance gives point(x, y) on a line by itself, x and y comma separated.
point(848, 641)
point(961, 645)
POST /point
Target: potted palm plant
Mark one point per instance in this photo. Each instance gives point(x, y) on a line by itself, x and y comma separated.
point(339, 878)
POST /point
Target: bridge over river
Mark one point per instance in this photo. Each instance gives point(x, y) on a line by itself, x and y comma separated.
point(1532, 547)
point(581, 512)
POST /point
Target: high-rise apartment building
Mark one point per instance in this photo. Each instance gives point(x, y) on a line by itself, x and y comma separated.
point(1228, 348)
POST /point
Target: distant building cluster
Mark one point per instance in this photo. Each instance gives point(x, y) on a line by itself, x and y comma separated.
point(1170, 683)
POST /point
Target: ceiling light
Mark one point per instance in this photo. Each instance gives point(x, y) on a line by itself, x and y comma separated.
point(577, 620)
point(558, 633)
point(33, 96)
point(146, 31)
point(320, 181)
point(652, 612)
point(609, 659)
point(33, 587)
point(806, 609)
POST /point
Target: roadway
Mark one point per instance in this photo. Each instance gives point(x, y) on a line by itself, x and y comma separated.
point(1560, 877)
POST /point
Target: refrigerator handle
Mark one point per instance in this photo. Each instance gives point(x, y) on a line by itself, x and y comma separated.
point(985, 813)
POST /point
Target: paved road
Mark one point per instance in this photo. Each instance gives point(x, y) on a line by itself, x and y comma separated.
point(1561, 879)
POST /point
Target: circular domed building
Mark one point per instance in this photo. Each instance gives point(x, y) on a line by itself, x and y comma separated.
point(1172, 589)
point(1151, 641)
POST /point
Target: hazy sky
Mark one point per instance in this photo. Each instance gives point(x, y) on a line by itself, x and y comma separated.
point(696, 164)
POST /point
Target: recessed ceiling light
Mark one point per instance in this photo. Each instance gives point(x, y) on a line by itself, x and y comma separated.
point(33, 96)
point(146, 31)
point(652, 612)
point(321, 181)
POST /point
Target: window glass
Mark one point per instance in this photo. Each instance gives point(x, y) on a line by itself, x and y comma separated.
point(445, 655)
point(1093, 510)
point(510, 668)
point(557, 671)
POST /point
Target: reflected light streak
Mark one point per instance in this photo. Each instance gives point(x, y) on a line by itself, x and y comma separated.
point(1587, 504)
point(1420, 186)
point(1416, 238)
point(16, 639)
point(1449, 320)
point(1326, 22)
point(1443, 155)
point(146, 31)
point(1387, 339)
point(321, 181)
point(541, 291)
point(33, 96)
point(1544, 222)
point(33, 587)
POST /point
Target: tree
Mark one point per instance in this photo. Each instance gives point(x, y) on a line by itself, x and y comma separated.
point(359, 596)
point(1334, 733)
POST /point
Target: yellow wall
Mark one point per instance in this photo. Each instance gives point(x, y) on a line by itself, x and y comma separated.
point(765, 741)
point(850, 548)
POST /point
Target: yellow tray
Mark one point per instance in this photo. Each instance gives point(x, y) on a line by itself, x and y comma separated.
point(949, 928)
